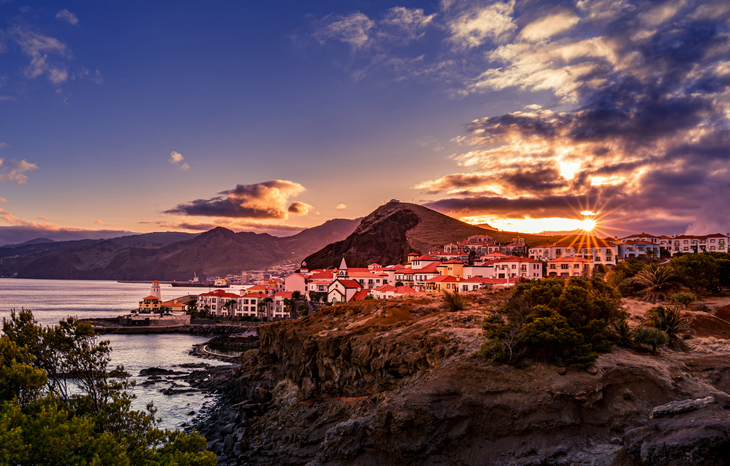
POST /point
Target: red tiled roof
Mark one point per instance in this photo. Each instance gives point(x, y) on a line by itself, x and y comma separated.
point(321, 275)
point(284, 294)
point(254, 295)
point(220, 294)
point(430, 268)
point(425, 258)
point(151, 297)
point(385, 288)
point(404, 290)
point(453, 261)
point(374, 264)
point(350, 283)
point(641, 242)
point(360, 295)
point(443, 278)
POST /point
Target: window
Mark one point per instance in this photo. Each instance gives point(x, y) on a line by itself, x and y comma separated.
point(564, 266)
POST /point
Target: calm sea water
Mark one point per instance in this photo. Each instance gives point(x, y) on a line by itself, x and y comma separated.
point(53, 300)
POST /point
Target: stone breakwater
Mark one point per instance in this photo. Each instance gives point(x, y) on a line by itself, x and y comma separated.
point(111, 325)
point(377, 383)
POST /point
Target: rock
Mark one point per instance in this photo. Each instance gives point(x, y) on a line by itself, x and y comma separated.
point(689, 439)
point(562, 370)
point(156, 371)
point(593, 370)
point(227, 429)
point(678, 407)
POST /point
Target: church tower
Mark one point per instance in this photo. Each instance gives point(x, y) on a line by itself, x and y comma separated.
point(155, 291)
point(343, 269)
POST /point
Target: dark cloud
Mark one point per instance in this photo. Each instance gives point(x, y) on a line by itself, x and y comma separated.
point(267, 200)
point(647, 133)
point(299, 208)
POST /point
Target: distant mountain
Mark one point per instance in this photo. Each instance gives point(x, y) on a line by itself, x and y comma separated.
point(32, 241)
point(177, 256)
point(395, 229)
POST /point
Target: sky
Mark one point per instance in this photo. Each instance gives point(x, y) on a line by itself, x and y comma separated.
point(276, 116)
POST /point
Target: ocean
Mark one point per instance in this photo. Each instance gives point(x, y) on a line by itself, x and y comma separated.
point(54, 300)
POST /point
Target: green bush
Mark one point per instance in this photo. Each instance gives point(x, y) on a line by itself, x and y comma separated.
point(668, 319)
point(651, 336)
point(683, 298)
point(552, 320)
point(302, 310)
point(453, 301)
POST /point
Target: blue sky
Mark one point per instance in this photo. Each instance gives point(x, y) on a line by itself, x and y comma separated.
point(271, 116)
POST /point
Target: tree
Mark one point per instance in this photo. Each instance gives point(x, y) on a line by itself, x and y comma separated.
point(227, 306)
point(657, 282)
point(683, 298)
point(651, 336)
point(698, 271)
point(557, 321)
point(296, 295)
point(42, 423)
point(266, 303)
point(398, 283)
point(302, 310)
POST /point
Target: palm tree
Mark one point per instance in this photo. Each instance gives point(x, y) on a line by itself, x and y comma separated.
point(657, 282)
point(266, 302)
point(668, 319)
point(228, 304)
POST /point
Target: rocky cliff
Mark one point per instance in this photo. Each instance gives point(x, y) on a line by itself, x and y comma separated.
point(393, 230)
point(396, 382)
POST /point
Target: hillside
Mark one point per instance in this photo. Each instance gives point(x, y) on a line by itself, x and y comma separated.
point(396, 383)
point(217, 252)
point(393, 230)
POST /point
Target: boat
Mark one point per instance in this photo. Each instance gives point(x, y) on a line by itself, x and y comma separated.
point(196, 283)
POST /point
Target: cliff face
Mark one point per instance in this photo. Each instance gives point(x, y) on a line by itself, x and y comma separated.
point(381, 383)
point(393, 230)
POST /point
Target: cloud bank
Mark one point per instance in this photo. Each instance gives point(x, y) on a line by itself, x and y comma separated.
point(267, 200)
point(14, 171)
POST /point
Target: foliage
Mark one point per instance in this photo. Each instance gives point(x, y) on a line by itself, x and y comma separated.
point(302, 310)
point(624, 333)
point(668, 319)
point(553, 320)
point(453, 300)
point(683, 298)
point(651, 336)
point(701, 271)
point(295, 295)
point(622, 274)
point(656, 282)
point(43, 422)
point(398, 283)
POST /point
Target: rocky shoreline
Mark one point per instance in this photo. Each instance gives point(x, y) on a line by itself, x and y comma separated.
point(376, 383)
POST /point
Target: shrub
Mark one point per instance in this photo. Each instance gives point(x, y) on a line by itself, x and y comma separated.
point(302, 310)
point(561, 322)
point(453, 301)
point(656, 282)
point(651, 336)
point(668, 319)
point(683, 298)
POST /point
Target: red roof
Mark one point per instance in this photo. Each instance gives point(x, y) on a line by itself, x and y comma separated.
point(641, 242)
point(443, 278)
point(453, 261)
point(404, 290)
point(257, 288)
point(172, 303)
point(385, 288)
point(360, 295)
point(284, 294)
point(321, 275)
point(350, 283)
point(430, 268)
point(254, 295)
point(220, 294)
point(374, 264)
point(425, 258)
point(151, 297)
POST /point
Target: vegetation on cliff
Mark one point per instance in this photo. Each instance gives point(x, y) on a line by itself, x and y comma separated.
point(553, 320)
point(60, 403)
